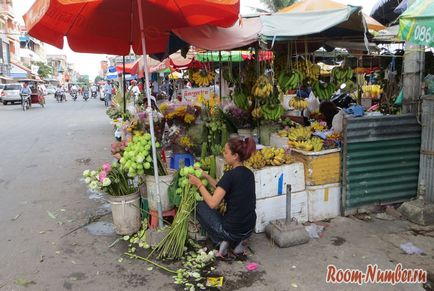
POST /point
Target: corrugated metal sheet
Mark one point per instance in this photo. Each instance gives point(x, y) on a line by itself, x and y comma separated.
point(380, 160)
point(426, 175)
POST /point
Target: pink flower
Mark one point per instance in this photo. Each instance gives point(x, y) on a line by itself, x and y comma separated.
point(102, 176)
point(107, 167)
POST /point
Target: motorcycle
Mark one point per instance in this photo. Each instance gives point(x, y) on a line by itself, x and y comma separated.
point(342, 98)
point(94, 94)
point(74, 95)
point(86, 95)
point(60, 96)
point(26, 102)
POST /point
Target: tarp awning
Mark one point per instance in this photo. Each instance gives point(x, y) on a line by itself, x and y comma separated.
point(416, 24)
point(323, 18)
point(241, 34)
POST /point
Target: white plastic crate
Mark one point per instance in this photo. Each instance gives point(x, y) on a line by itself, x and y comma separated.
point(272, 181)
point(273, 208)
point(324, 201)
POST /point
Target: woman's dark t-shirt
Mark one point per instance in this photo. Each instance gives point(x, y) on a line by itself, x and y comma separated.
point(239, 184)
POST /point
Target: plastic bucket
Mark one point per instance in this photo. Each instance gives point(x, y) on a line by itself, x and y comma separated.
point(126, 213)
point(164, 195)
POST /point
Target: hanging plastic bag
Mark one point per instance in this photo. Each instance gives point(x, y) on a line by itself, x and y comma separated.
point(400, 97)
point(312, 102)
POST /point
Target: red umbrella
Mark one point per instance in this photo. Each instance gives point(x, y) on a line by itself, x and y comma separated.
point(114, 26)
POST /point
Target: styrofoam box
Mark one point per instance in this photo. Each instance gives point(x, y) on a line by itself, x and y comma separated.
point(324, 201)
point(272, 181)
point(273, 208)
point(278, 141)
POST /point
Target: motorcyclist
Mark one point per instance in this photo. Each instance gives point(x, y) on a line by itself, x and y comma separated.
point(94, 90)
point(60, 91)
point(25, 90)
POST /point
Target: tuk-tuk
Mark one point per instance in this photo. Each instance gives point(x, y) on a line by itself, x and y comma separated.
point(37, 95)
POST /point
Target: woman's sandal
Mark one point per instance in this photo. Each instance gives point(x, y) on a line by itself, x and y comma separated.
point(225, 258)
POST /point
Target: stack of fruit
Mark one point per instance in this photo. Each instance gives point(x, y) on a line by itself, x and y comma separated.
point(301, 138)
point(268, 156)
point(240, 98)
point(341, 74)
point(322, 90)
point(262, 88)
point(310, 70)
point(118, 148)
point(290, 80)
point(372, 91)
point(202, 77)
point(298, 103)
point(137, 158)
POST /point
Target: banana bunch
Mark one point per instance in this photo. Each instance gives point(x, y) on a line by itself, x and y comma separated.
point(240, 99)
point(257, 113)
point(256, 161)
point(305, 145)
point(373, 91)
point(290, 80)
point(309, 69)
point(272, 111)
point(282, 133)
point(317, 144)
point(202, 77)
point(299, 133)
point(262, 88)
point(298, 103)
point(323, 90)
point(269, 156)
point(317, 126)
point(341, 75)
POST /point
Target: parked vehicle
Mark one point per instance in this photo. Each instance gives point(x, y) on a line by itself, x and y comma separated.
point(51, 90)
point(11, 94)
point(1, 90)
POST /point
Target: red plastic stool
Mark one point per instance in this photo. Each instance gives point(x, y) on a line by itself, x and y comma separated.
point(154, 216)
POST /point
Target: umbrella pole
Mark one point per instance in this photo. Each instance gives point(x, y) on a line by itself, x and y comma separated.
point(123, 84)
point(150, 115)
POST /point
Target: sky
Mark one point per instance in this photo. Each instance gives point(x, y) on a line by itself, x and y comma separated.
point(89, 64)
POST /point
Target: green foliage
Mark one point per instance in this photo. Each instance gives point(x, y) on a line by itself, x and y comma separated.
point(44, 70)
point(98, 79)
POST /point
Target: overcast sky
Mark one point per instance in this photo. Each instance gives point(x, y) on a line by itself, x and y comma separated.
point(89, 63)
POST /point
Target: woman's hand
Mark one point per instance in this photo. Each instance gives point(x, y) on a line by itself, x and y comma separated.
point(193, 180)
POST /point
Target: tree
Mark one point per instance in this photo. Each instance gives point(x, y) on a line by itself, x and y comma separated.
point(97, 79)
point(276, 5)
point(44, 70)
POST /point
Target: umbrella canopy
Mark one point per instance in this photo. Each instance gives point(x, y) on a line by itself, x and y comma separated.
point(416, 24)
point(372, 23)
point(316, 18)
point(112, 26)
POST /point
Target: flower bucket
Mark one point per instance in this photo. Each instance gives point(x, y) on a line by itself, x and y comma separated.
point(164, 196)
point(126, 213)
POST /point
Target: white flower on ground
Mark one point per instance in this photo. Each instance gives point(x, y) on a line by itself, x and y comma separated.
point(86, 173)
point(88, 180)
